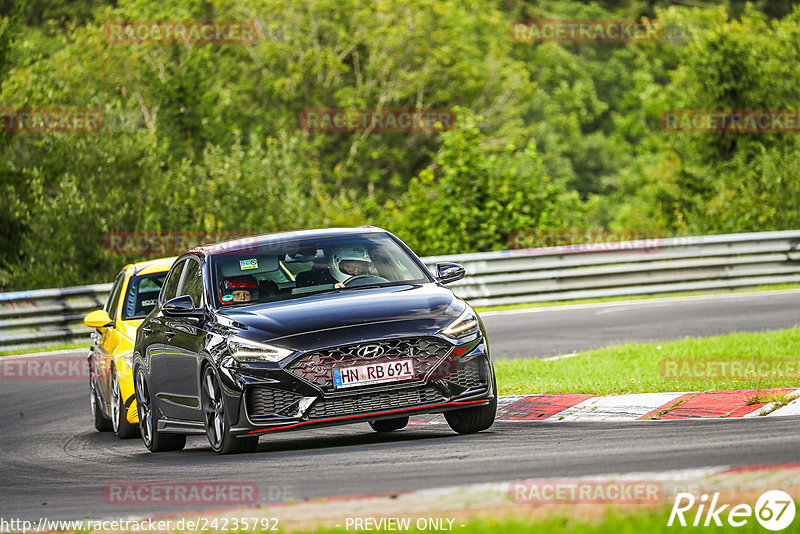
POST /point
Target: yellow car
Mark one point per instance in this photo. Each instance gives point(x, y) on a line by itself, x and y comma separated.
point(133, 295)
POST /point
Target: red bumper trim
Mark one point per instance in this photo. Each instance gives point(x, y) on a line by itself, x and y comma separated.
point(360, 416)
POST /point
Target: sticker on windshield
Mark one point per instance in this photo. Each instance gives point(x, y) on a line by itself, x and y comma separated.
point(248, 264)
point(227, 298)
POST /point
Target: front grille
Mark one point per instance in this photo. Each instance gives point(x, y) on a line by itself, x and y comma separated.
point(375, 402)
point(264, 402)
point(469, 374)
point(317, 366)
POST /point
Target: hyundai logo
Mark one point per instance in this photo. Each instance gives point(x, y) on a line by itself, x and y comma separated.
point(370, 351)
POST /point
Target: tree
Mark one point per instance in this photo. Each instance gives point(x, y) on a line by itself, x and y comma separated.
point(472, 198)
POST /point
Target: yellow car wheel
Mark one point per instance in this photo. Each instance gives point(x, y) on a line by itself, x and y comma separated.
point(122, 428)
point(101, 422)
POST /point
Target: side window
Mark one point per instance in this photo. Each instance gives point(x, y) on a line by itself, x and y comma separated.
point(171, 285)
point(193, 283)
point(142, 295)
point(113, 298)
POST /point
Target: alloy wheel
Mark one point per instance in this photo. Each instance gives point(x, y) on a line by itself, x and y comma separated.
point(92, 402)
point(213, 410)
point(115, 402)
point(145, 409)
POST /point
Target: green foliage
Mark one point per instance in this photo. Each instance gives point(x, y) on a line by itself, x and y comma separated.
point(40, 12)
point(244, 188)
point(691, 183)
point(470, 199)
point(551, 136)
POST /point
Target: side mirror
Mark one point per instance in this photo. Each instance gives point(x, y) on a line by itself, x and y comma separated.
point(449, 272)
point(180, 306)
point(97, 319)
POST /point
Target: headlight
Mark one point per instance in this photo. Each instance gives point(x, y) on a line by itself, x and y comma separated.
point(464, 328)
point(248, 351)
point(128, 357)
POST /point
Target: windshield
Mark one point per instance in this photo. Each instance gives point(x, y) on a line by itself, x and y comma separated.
point(296, 268)
point(142, 295)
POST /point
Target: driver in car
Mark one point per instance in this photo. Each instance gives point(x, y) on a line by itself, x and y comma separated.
point(238, 289)
point(349, 262)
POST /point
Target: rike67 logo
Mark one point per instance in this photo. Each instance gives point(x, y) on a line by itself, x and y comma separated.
point(774, 510)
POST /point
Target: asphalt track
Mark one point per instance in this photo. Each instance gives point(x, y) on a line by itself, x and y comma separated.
point(53, 464)
point(543, 332)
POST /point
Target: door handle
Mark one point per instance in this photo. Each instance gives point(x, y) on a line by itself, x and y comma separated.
point(169, 333)
point(147, 331)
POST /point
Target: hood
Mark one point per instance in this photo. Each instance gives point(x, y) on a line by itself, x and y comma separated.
point(421, 309)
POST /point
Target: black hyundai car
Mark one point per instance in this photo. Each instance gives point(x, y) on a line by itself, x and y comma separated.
point(295, 330)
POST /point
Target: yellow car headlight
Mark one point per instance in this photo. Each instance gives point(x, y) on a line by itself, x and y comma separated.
point(128, 358)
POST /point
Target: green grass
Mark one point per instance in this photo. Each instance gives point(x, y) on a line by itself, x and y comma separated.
point(762, 398)
point(45, 349)
point(523, 306)
point(613, 521)
point(635, 368)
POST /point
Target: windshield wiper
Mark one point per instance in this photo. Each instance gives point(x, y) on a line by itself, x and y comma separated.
point(338, 290)
point(368, 286)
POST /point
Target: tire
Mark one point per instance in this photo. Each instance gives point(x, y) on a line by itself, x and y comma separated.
point(389, 425)
point(217, 427)
point(101, 422)
point(471, 420)
point(122, 428)
point(154, 440)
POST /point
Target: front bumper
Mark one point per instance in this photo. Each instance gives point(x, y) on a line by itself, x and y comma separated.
point(127, 392)
point(273, 400)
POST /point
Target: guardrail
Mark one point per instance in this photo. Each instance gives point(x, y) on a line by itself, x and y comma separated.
point(629, 268)
point(48, 316)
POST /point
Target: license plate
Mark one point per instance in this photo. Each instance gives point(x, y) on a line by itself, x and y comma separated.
point(374, 373)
